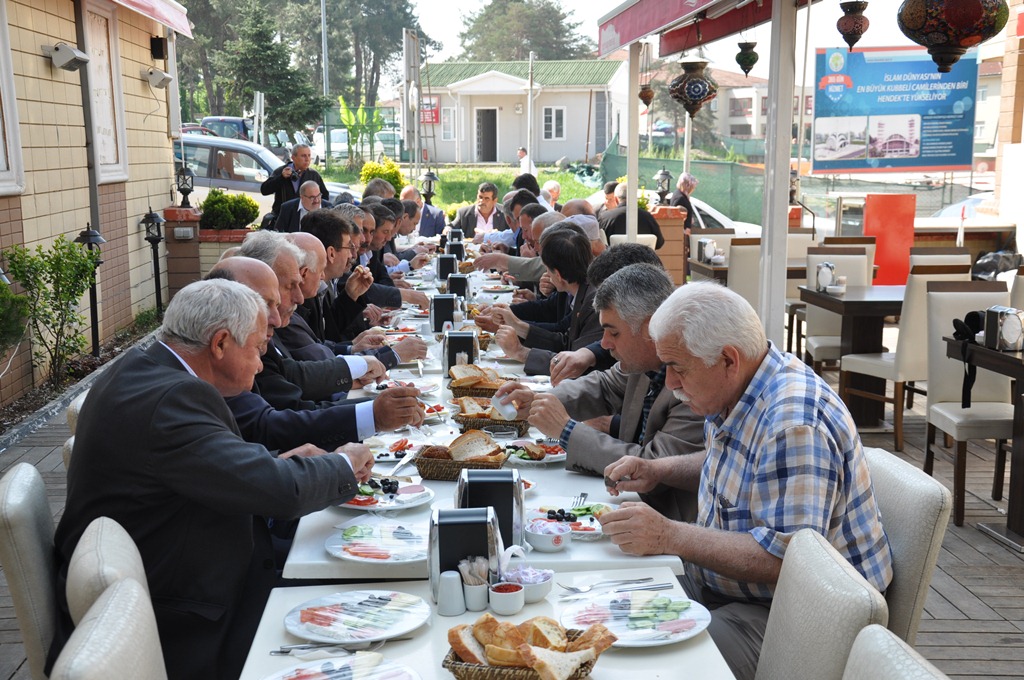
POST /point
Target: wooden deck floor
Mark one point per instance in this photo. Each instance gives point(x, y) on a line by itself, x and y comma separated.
point(973, 625)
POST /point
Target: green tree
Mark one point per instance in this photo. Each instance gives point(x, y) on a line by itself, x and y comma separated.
point(508, 30)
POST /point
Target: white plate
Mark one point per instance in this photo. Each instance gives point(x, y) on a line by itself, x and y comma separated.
point(387, 503)
point(386, 669)
point(598, 608)
point(493, 290)
point(592, 533)
point(547, 460)
point(424, 386)
point(529, 487)
point(360, 616)
point(394, 541)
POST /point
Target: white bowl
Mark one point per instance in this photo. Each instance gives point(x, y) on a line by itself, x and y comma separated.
point(835, 290)
point(507, 604)
point(535, 592)
point(550, 542)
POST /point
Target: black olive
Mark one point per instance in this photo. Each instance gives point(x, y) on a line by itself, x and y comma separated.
point(552, 514)
point(570, 517)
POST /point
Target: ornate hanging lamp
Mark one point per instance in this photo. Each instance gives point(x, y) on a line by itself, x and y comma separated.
point(747, 57)
point(693, 88)
point(853, 24)
point(948, 28)
point(646, 93)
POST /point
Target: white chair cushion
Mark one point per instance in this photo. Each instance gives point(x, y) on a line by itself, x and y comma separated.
point(878, 654)
point(105, 554)
point(74, 408)
point(882, 365)
point(116, 639)
point(823, 347)
point(67, 450)
point(984, 420)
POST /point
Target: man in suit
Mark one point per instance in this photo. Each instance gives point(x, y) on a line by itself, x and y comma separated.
point(511, 240)
point(614, 221)
point(158, 451)
point(653, 424)
point(483, 217)
point(284, 182)
point(294, 210)
point(432, 220)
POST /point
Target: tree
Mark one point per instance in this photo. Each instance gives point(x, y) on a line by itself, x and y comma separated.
point(508, 30)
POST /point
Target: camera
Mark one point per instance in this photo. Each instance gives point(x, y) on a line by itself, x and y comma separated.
point(1004, 329)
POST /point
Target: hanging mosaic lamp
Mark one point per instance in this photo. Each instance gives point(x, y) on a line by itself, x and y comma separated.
point(646, 94)
point(747, 57)
point(948, 28)
point(853, 24)
point(693, 88)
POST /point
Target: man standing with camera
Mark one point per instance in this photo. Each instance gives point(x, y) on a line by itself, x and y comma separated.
point(284, 183)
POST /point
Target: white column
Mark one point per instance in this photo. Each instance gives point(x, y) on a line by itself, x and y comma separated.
point(632, 140)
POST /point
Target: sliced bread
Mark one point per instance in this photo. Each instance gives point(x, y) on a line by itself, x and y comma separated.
point(543, 631)
point(552, 665)
point(474, 445)
point(466, 645)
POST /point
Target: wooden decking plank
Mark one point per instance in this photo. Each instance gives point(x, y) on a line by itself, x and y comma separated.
point(960, 597)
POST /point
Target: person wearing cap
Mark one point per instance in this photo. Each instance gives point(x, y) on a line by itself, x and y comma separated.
point(525, 163)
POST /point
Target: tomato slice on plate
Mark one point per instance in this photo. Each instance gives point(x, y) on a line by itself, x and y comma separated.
point(362, 501)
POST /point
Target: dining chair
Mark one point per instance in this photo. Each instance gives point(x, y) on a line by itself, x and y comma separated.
point(935, 256)
point(67, 450)
point(797, 243)
point(73, 410)
point(821, 602)
point(878, 654)
point(865, 242)
point(649, 240)
point(1017, 291)
point(990, 415)
point(822, 341)
point(26, 554)
point(105, 554)
point(117, 638)
point(915, 512)
point(744, 275)
point(908, 364)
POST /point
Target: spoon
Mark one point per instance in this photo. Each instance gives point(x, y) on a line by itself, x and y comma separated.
point(587, 589)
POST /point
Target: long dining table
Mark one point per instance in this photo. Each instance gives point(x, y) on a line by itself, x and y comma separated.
point(582, 562)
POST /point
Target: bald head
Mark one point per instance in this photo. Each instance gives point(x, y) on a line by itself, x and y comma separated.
point(578, 206)
point(256, 275)
point(314, 262)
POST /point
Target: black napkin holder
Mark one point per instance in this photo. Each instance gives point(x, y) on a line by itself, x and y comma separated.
point(460, 533)
point(501, 490)
point(458, 284)
point(455, 236)
point(456, 248)
point(446, 264)
point(459, 342)
point(442, 310)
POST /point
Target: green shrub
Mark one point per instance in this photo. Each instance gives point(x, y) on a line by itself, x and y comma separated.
point(452, 208)
point(13, 315)
point(244, 210)
point(387, 169)
point(227, 211)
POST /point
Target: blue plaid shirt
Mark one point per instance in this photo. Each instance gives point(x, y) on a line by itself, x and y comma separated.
point(788, 457)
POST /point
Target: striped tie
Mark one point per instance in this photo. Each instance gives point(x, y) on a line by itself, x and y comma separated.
point(653, 390)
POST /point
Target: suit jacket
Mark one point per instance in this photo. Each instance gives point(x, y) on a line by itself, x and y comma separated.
point(465, 219)
point(672, 430)
point(158, 451)
point(581, 327)
point(301, 342)
point(432, 221)
point(285, 429)
point(288, 217)
point(527, 270)
point(290, 384)
point(285, 190)
point(614, 222)
point(681, 200)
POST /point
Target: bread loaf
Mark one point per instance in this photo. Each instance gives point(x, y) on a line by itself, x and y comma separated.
point(596, 638)
point(484, 629)
point(474, 445)
point(543, 631)
point(439, 452)
point(552, 665)
point(465, 645)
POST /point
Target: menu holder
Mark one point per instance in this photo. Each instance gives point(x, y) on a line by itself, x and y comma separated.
point(460, 533)
point(456, 248)
point(458, 284)
point(460, 342)
point(501, 490)
point(446, 264)
point(442, 311)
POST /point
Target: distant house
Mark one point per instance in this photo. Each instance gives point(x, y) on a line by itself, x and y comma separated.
point(478, 112)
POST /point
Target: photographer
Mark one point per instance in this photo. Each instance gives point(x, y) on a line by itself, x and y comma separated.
point(284, 183)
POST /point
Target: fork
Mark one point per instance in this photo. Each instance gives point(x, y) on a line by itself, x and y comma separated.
point(579, 590)
point(577, 501)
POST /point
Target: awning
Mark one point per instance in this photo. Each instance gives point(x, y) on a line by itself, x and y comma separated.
point(165, 12)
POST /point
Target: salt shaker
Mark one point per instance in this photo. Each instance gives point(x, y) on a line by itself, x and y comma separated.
point(450, 599)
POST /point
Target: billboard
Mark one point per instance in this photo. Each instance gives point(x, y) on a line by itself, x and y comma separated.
point(430, 110)
point(889, 110)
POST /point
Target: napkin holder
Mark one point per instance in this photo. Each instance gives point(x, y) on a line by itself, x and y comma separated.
point(456, 248)
point(460, 342)
point(460, 533)
point(706, 248)
point(458, 284)
point(501, 490)
point(446, 264)
point(455, 236)
point(442, 311)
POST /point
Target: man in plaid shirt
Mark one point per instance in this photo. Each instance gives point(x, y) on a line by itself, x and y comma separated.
point(782, 454)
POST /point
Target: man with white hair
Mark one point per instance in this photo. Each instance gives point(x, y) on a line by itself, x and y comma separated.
point(681, 197)
point(614, 221)
point(554, 190)
point(783, 455)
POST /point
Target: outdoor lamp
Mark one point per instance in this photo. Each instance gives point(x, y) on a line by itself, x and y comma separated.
point(91, 239)
point(429, 181)
point(664, 180)
point(184, 180)
point(152, 221)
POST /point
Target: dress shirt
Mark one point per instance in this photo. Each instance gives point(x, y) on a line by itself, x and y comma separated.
point(485, 225)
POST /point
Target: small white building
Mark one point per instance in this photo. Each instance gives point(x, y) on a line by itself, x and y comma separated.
point(479, 112)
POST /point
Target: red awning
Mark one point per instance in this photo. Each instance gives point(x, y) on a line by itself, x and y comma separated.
point(166, 12)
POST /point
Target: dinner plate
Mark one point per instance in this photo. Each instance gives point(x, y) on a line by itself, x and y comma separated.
point(497, 289)
point(347, 667)
point(379, 540)
point(393, 502)
point(589, 529)
point(547, 460)
point(641, 618)
point(424, 386)
point(357, 616)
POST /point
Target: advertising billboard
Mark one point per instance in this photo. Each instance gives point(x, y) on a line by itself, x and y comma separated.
point(889, 110)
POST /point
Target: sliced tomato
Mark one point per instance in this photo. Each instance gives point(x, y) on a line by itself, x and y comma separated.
point(367, 551)
point(362, 501)
point(400, 445)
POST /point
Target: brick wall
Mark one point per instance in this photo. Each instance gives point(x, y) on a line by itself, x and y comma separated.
point(18, 378)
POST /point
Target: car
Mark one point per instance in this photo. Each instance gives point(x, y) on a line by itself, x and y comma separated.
point(340, 143)
point(197, 129)
point(967, 207)
point(232, 165)
point(279, 144)
point(706, 216)
point(235, 127)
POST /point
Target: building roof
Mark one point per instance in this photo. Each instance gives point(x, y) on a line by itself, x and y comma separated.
point(667, 71)
point(569, 73)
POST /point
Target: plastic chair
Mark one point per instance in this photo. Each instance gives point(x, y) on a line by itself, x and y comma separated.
point(1017, 291)
point(26, 553)
point(649, 240)
point(117, 638)
point(937, 256)
point(915, 512)
point(824, 328)
point(908, 364)
point(865, 242)
point(73, 409)
point(991, 413)
point(105, 554)
point(745, 269)
point(878, 654)
point(821, 602)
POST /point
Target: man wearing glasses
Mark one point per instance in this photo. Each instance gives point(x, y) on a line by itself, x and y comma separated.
point(293, 211)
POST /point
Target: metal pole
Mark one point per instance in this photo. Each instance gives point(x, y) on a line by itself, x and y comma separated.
point(327, 86)
point(687, 145)
point(156, 277)
point(803, 106)
point(94, 311)
point(633, 143)
point(529, 114)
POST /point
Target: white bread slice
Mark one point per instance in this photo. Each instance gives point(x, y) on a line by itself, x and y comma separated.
point(474, 407)
point(501, 656)
point(465, 645)
point(484, 628)
point(597, 637)
point(543, 631)
point(473, 445)
point(464, 375)
point(552, 665)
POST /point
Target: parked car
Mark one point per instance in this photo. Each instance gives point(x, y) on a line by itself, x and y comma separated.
point(340, 145)
point(706, 216)
point(968, 207)
point(197, 129)
point(234, 127)
point(279, 144)
point(232, 165)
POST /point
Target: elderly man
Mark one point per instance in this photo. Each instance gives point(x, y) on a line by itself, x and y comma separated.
point(554, 190)
point(294, 210)
point(158, 451)
point(783, 455)
point(284, 182)
point(379, 187)
point(432, 220)
point(527, 269)
point(483, 217)
point(653, 424)
point(614, 221)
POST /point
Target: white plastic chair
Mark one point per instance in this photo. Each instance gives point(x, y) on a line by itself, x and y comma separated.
point(822, 339)
point(649, 240)
point(745, 269)
point(878, 654)
point(105, 554)
point(937, 256)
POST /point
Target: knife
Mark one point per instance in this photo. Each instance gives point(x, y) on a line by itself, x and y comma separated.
point(586, 596)
point(419, 367)
point(405, 461)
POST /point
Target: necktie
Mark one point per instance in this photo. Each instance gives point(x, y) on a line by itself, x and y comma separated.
point(653, 390)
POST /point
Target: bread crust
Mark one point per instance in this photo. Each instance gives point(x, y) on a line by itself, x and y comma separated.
point(465, 644)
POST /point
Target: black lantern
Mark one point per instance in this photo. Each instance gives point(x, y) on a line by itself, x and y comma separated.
point(664, 180)
point(152, 221)
point(184, 180)
point(429, 182)
point(92, 239)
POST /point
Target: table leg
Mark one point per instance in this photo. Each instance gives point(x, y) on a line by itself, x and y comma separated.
point(863, 335)
point(1012, 533)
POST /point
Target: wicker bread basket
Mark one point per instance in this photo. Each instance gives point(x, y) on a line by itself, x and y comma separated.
point(467, 424)
point(446, 470)
point(473, 391)
point(471, 671)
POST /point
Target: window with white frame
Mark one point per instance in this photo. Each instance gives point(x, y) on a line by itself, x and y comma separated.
point(554, 122)
point(447, 124)
point(12, 171)
point(101, 38)
point(983, 93)
point(979, 129)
